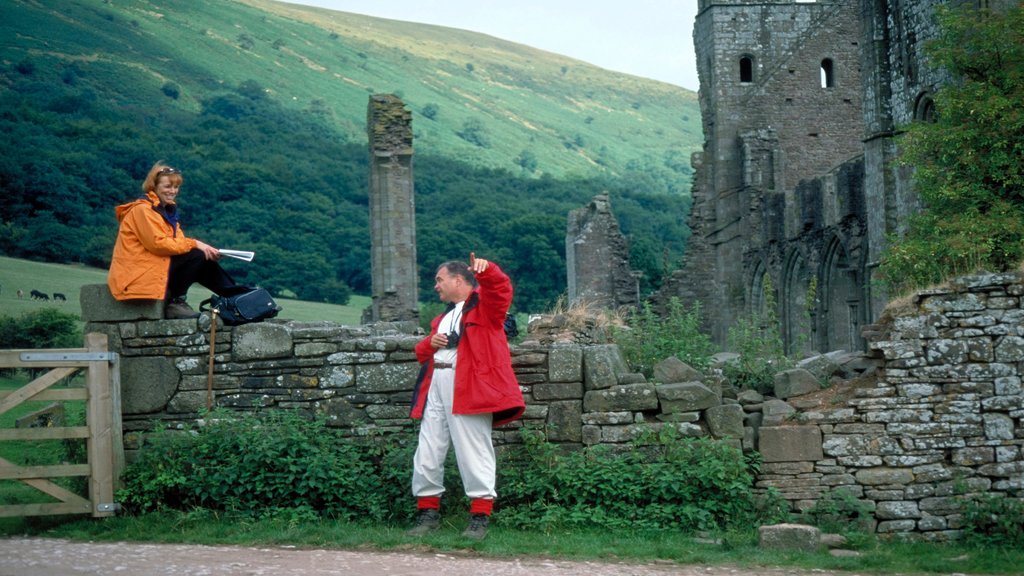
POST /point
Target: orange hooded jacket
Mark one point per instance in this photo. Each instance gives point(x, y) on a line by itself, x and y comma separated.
point(142, 253)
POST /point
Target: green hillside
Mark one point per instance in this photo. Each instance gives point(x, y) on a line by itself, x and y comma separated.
point(263, 106)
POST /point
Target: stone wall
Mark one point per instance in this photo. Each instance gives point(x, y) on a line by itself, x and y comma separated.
point(938, 410)
point(944, 420)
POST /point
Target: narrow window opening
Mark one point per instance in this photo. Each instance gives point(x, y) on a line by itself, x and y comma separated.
point(828, 79)
point(746, 69)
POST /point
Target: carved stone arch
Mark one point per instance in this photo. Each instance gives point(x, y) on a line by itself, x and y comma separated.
point(841, 301)
point(798, 303)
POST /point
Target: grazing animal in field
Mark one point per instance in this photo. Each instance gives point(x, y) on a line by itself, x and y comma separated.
point(59, 296)
point(37, 295)
point(21, 293)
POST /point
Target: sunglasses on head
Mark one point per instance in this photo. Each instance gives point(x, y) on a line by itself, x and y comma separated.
point(168, 170)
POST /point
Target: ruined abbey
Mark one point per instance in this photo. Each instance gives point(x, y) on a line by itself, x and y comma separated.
point(798, 185)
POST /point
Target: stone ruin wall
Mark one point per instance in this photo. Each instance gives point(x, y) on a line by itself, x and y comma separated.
point(936, 410)
point(944, 420)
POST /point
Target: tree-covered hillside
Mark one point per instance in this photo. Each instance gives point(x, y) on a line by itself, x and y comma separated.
point(263, 107)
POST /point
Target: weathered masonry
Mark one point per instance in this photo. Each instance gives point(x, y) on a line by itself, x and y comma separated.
point(801, 103)
point(945, 412)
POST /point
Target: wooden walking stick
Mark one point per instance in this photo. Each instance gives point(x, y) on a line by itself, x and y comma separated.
point(209, 369)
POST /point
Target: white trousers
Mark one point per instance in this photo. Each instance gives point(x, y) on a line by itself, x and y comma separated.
point(470, 435)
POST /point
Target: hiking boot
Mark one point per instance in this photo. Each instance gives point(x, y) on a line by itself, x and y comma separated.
point(428, 520)
point(177, 309)
point(477, 528)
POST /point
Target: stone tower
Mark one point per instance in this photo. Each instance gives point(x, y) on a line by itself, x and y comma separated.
point(775, 203)
point(392, 212)
point(797, 189)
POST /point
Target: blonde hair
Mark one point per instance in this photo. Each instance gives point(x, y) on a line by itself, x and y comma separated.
point(161, 170)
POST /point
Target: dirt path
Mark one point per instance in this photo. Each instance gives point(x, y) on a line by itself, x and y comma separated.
point(53, 557)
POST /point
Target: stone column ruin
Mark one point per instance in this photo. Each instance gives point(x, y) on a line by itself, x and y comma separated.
point(392, 212)
point(597, 258)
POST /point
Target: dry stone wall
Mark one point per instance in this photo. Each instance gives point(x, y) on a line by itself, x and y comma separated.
point(934, 417)
point(943, 422)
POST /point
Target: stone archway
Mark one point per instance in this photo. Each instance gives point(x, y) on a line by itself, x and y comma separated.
point(841, 301)
point(798, 315)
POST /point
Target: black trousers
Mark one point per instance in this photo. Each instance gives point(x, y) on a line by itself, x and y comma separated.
point(192, 267)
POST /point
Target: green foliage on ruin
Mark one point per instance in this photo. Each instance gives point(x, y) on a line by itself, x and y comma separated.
point(757, 338)
point(663, 482)
point(650, 337)
point(969, 163)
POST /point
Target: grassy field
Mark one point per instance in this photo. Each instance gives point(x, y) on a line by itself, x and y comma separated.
point(40, 452)
point(68, 279)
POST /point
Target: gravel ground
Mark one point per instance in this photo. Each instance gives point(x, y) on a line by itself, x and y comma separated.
point(55, 557)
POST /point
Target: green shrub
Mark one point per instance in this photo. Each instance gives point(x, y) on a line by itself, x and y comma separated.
point(968, 162)
point(669, 483)
point(40, 328)
point(994, 520)
point(651, 338)
point(840, 512)
point(758, 341)
point(257, 465)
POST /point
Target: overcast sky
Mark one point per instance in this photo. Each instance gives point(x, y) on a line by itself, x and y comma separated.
point(649, 38)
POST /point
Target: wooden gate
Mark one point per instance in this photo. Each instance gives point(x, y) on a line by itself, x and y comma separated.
point(102, 432)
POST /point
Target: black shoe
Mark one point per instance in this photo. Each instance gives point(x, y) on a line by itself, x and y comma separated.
point(177, 309)
point(477, 528)
point(428, 520)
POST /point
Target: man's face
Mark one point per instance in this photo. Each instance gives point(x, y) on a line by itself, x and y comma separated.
point(448, 286)
point(166, 190)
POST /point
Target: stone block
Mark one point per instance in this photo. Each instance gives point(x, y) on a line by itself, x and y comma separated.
point(634, 397)
point(564, 423)
point(789, 537)
point(795, 382)
point(147, 384)
point(99, 306)
point(725, 421)
point(790, 443)
point(601, 366)
point(565, 363)
point(376, 378)
point(672, 370)
point(686, 397)
point(260, 341)
point(557, 391)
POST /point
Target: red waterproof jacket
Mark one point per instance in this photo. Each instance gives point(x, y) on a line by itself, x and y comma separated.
point(484, 380)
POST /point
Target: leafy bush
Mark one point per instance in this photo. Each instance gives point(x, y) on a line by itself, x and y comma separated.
point(758, 341)
point(840, 511)
point(261, 464)
point(671, 483)
point(968, 163)
point(994, 520)
point(651, 338)
point(40, 328)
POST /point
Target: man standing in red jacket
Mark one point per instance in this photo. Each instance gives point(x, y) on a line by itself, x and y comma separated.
point(466, 386)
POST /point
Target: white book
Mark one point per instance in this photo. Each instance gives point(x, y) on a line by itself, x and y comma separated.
point(240, 254)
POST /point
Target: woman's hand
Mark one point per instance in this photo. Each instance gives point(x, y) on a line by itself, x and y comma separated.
point(210, 252)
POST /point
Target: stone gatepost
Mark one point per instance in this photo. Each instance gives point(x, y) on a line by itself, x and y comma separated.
point(392, 212)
